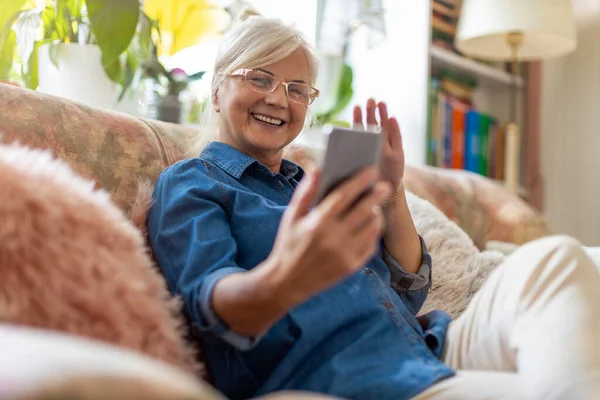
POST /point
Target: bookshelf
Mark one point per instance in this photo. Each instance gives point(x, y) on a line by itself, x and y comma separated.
point(468, 102)
point(398, 70)
point(490, 76)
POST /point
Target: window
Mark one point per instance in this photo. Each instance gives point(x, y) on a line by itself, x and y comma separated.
point(201, 57)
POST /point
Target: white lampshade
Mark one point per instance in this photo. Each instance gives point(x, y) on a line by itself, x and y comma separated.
point(547, 26)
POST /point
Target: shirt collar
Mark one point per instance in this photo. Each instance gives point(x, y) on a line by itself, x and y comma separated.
point(291, 170)
point(235, 163)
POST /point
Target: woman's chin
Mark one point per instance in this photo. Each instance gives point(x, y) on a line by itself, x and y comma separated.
point(269, 140)
point(268, 144)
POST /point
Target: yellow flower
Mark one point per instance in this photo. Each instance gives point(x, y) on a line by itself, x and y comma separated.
point(182, 22)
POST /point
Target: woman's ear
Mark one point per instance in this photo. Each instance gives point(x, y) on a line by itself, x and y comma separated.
point(215, 101)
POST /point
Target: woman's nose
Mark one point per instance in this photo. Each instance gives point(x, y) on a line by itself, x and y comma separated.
point(278, 97)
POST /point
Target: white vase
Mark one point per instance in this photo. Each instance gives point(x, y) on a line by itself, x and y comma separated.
point(79, 77)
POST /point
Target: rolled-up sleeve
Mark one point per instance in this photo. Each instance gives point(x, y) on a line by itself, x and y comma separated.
point(412, 288)
point(190, 236)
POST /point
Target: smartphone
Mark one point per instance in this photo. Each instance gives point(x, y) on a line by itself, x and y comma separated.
point(348, 151)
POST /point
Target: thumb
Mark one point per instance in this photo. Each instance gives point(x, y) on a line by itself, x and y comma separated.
point(305, 194)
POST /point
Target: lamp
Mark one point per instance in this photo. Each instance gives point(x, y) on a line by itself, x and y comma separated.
point(514, 31)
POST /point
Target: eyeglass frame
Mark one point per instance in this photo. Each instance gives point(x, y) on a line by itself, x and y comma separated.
point(244, 71)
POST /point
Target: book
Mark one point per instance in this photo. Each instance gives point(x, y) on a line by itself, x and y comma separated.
point(443, 26)
point(485, 124)
point(445, 9)
point(460, 136)
point(472, 146)
point(432, 141)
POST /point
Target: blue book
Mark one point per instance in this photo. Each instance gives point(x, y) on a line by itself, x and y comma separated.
point(448, 135)
point(472, 138)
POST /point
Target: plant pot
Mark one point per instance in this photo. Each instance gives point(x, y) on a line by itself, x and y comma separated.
point(79, 76)
point(169, 109)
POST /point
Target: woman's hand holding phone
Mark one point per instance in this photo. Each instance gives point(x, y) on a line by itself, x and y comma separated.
point(317, 247)
point(323, 239)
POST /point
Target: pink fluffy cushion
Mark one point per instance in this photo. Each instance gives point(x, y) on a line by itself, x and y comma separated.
point(71, 261)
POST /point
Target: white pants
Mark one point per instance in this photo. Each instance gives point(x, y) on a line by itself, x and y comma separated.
point(531, 332)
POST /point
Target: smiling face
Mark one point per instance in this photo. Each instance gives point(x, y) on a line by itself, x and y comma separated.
point(262, 124)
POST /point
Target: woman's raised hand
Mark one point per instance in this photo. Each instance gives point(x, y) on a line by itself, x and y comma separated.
point(392, 154)
point(317, 248)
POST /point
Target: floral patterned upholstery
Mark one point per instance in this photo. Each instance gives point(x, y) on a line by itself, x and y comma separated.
point(116, 151)
point(481, 207)
point(113, 149)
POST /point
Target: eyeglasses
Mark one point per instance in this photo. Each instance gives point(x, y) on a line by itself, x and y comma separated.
point(266, 83)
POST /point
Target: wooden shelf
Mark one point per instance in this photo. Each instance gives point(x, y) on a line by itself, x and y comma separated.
point(442, 58)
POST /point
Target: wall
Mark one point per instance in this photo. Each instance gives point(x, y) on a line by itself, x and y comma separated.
point(570, 131)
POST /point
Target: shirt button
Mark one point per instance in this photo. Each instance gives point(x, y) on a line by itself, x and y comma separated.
point(368, 271)
point(387, 304)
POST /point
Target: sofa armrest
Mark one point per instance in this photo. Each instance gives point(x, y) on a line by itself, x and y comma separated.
point(480, 206)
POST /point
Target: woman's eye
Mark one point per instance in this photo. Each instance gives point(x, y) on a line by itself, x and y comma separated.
point(297, 91)
point(264, 82)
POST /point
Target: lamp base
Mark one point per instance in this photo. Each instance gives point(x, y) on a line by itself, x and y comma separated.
point(512, 158)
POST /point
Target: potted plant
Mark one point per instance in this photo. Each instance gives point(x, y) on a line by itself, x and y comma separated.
point(79, 49)
point(179, 25)
point(165, 88)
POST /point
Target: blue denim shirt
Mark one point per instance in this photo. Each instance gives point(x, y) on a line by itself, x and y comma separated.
point(219, 214)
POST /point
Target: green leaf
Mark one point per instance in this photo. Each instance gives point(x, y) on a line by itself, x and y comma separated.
point(197, 76)
point(74, 8)
point(343, 97)
point(345, 91)
point(8, 9)
point(49, 22)
point(31, 77)
point(339, 122)
point(132, 63)
point(115, 71)
point(113, 23)
point(7, 53)
point(27, 28)
point(63, 20)
point(53, 51)
point(144, 37)
point(8, 45)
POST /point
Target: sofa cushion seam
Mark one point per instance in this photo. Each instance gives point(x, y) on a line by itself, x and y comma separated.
point(161, 144)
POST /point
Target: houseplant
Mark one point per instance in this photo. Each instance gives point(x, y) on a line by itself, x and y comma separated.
point(81, 49)
point(164, 88)
point(341, 99)
point(180, 25)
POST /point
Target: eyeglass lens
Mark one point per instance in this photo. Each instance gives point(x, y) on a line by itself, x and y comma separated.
point(297, 92)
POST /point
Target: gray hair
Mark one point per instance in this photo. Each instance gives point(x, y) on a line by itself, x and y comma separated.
point(255, 42)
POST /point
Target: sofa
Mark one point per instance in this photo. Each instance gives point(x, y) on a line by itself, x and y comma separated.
point(117, 151)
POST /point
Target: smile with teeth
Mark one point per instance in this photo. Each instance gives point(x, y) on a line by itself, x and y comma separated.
point(267, 119)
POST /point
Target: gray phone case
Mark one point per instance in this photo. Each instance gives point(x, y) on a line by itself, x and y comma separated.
point(348, 151)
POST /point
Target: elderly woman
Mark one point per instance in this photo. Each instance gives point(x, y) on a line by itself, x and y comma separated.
point(283, 296)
